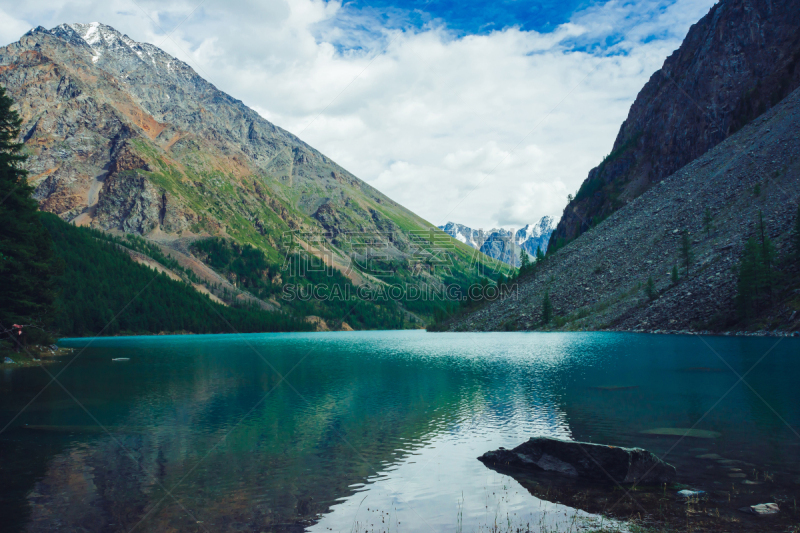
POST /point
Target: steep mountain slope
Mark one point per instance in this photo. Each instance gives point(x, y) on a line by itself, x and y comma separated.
point(504, 245)
point(599, 280)
point(739, 60)
point(125, 138)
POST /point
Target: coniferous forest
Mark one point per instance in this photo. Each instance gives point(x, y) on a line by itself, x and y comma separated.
point(61, 280)
point(103, 291)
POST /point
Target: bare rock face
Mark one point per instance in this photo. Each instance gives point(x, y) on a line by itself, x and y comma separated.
point(738, 61)
point(131, 203)
point(594, 462)
point(122, 136)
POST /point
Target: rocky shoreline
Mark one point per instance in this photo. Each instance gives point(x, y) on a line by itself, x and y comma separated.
point(759, 333)
point(33, 356)
point(634, 486)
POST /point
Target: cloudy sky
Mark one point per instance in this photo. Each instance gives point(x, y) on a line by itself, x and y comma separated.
point(483, 113)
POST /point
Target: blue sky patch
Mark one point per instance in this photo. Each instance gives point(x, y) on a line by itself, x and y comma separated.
point(468, 16)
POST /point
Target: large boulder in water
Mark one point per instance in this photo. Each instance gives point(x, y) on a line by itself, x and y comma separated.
point(583, 460)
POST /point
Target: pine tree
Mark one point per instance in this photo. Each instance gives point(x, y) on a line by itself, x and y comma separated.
point(686, 252)
point(796, 235)
point(708, 221)
point(540, 253)
point(675, 276)
point(547, 308)
point(748, 278)
point(27, 261)
point(650, 289)
point(767, 257)
point(524, 261)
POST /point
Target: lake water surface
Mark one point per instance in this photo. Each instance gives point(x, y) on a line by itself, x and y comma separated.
point(373, 431)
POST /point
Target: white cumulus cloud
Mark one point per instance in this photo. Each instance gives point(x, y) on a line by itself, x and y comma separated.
point(486, 130)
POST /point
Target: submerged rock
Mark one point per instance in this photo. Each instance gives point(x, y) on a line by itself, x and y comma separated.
point(683, 432)
point(690, 493)
point(762, 509)
point(583, 460)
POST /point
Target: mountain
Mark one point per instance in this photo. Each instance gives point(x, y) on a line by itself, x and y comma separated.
point(692, 223)
point(738, 61)
point(124, 138)
point(504, 245)
point(500, 245)
point(600, 280)
point(470, 237)
point(536, 236)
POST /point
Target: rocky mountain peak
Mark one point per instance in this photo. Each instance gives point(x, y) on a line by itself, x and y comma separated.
point(104, 39)
point(122, 136)
point(536, 231)
point(503, 244)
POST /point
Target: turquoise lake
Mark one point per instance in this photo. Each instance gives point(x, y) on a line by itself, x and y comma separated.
point(371, 431)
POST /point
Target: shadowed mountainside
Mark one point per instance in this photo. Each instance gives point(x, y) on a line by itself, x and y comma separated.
point(599, 280)
point(738, 61)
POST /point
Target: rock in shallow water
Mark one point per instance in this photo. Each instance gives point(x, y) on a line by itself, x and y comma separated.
point(583, 460)
point(690, 493)
point(762, 509)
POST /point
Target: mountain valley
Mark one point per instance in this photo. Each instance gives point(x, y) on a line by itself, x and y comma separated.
point(124, 138)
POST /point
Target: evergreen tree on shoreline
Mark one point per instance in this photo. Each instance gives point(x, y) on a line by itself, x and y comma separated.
point(756, 271)
point(27, 262)
point(768, 254)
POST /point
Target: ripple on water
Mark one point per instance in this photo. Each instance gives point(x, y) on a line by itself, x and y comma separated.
point(396, 417)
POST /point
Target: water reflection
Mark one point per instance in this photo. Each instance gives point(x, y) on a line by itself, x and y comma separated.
point(323, 431)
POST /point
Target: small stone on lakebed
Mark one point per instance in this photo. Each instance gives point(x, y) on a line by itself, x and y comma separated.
point(683, 432)
point(762, 509)
point(585, 460)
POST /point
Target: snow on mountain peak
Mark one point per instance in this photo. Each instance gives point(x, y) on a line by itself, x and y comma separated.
point(89, 33)
point(545, 226)
point(104, 41)
point(530, 238)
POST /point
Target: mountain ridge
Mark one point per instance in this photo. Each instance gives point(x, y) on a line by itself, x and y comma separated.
point(122, 137)
point(505, 245)
point(599, 281)
point(734, 64)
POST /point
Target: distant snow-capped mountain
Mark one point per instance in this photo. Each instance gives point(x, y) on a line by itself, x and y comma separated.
point(534, 236)
point(502, 244)
point(472, 237)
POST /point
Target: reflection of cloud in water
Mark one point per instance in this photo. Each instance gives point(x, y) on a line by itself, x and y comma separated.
point(441, 485)
point(398, 417)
